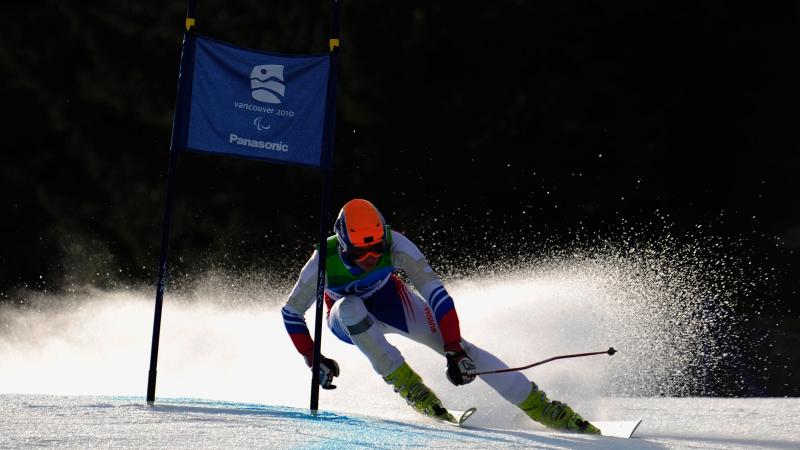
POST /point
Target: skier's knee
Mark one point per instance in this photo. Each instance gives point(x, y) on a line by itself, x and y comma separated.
point(352, 312)
point(360, 327)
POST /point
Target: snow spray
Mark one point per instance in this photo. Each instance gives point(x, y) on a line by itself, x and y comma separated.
point(666, 308)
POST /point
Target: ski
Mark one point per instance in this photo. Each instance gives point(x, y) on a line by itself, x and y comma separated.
point(620, 429)
point(458, 417)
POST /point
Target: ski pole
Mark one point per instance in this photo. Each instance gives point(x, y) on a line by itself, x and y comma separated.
point(610, 351)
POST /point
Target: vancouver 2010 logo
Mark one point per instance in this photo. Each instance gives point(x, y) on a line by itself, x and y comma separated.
point(267, 83)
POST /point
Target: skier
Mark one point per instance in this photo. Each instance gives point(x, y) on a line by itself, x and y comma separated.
point(366, 299)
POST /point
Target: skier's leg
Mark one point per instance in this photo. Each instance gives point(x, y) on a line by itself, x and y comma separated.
point(517, 389)
point(349, 315)
point(350, 319)
point(513, 386)
point(410, 315)
point(421, 327)
point(554, 414)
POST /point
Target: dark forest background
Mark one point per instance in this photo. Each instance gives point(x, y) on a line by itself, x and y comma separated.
point(489, 131)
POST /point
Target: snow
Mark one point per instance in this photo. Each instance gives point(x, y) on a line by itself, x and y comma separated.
point(128, 422)
point(73, 371)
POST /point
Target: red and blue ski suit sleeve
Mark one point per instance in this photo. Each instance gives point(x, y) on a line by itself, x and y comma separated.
point(408, 258)
point(302, 296)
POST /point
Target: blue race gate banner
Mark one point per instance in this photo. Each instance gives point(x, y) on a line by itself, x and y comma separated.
point(272, 107)
point(259, 105)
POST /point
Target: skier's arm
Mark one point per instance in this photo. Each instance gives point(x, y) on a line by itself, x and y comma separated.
point(300, 299)
point(407, 257)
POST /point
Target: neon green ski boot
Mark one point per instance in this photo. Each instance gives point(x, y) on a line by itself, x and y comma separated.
point(554, 414)
point(409, 385)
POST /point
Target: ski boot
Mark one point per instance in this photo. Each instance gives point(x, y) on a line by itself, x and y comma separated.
point(409, 385)
point(554, 414)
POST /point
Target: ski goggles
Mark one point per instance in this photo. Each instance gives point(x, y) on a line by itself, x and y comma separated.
point(362, 253)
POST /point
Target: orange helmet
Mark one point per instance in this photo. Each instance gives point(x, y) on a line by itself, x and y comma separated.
point(360, 229)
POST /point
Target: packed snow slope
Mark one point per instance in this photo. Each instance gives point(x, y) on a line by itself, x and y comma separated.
point(119, 422)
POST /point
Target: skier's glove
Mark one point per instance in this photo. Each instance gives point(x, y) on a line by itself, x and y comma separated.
point(327, 370)
point(460, 368)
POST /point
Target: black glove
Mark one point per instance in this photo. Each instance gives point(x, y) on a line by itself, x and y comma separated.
point(327, 370)
point(460, 368)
